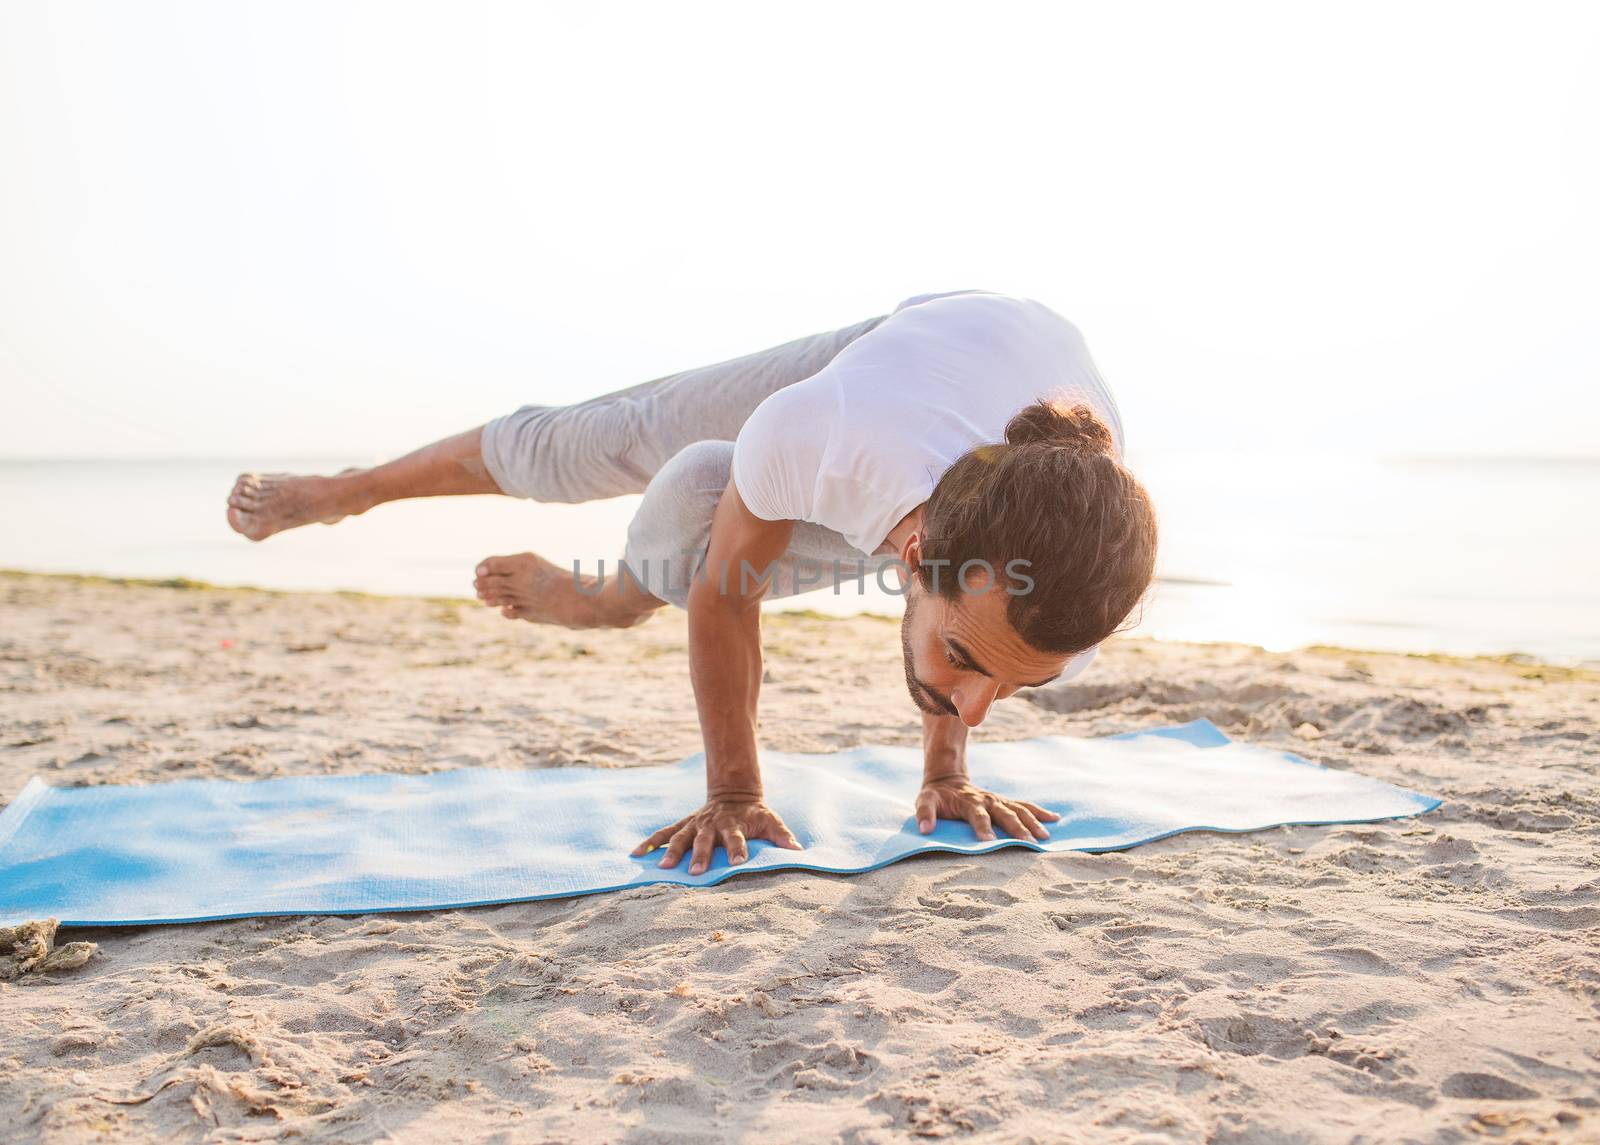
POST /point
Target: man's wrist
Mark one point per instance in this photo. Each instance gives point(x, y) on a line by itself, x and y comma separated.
point(733, 782)
point(943, 775)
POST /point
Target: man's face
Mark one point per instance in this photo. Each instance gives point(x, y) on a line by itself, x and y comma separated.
point(962, 655)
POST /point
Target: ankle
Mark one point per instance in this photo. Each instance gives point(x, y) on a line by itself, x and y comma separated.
point(352, 493)
point(612, 607)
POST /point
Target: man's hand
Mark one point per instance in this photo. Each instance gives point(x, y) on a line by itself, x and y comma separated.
point(956, 798)
point(729, 821)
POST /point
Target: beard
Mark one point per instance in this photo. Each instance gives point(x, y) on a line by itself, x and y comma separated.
point(929, 701)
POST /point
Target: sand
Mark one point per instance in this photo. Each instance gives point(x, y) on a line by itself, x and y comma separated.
point(1432, 979)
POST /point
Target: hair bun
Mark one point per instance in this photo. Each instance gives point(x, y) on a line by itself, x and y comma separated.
point(1053, 423)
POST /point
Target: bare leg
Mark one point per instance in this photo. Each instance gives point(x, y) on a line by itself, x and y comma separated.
point(263, 504)
point(528, 587)
point(523, 587)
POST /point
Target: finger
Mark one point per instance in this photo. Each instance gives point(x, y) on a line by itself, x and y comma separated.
point(1010, 823)
point(733, 841)
point(780, 834)
point(658, 838)
point(1038, 812)
point(1030, 821)
point(927, 811)
point(701, 859)
point(979, 818)
point(676, 846)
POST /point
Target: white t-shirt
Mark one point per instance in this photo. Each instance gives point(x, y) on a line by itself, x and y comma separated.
point(860, 443)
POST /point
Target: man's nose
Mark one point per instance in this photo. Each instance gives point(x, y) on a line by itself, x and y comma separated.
point(973, 701)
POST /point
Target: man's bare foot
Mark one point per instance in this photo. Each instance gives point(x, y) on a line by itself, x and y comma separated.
point(528, 587)
point(262, 504)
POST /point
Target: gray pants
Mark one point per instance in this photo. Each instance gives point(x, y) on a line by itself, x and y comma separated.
point(672, 440)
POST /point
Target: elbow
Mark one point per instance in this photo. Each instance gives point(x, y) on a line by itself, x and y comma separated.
point(708, 597)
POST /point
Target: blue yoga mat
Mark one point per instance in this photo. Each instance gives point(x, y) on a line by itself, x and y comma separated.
point(347, 844)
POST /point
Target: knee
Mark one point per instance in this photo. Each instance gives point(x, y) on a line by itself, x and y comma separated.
point(670, 530)
point(700, 468)
point(682, 496)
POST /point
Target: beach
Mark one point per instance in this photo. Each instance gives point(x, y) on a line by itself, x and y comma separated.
point(1426, 979)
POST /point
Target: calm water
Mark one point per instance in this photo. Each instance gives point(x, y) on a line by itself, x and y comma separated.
point(1268, 549)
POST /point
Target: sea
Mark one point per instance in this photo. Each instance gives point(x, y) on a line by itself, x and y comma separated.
point(1458, 556)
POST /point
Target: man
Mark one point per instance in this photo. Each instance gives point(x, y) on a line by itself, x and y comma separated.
point(965, 441)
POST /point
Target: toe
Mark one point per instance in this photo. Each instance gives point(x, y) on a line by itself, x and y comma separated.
point(491, 588)
point(504, 566)
point(243, 524)
point(512, 593)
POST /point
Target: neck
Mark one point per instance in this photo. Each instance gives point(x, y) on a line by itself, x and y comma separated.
point(895, 542)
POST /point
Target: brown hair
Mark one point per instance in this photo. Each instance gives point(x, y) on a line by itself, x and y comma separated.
point(1054, 495)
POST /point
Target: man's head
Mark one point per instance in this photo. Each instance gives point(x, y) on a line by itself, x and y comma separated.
point(962, 654)
point(1058, 543)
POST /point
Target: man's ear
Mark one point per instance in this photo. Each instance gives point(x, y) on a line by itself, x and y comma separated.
point(910, 554)
point(911, 551)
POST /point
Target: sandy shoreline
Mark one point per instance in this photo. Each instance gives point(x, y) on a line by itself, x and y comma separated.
point(1431, 979)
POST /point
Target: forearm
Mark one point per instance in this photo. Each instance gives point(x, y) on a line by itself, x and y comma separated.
point(944, 747)
point(725, 669)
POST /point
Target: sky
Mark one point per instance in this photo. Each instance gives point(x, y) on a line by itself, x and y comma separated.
point(239, 230)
